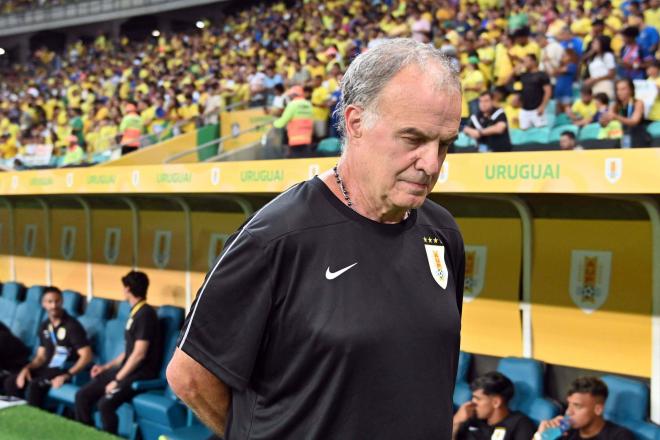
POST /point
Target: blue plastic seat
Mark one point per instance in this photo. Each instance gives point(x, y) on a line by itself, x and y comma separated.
point(27, 318)
point(13, 291)
point(123, 310)
point(627, 405)
point(556, 132)
point(462, 391)
point(527, 377)
point(72, 302)
point(589, 132)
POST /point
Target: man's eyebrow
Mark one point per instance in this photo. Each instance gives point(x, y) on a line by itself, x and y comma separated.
point(415, 132)
point(450, 140)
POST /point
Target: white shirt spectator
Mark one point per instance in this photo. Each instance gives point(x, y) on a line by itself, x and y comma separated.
point(551, 56)
point(601, 65)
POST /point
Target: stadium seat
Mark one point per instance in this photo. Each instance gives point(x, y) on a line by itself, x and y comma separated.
point(589, 131)
point(600, 144)
point(556, 132)
point(13, 291)
point(654, 129)
point(527, 377)
point(462, 392)
point(536, 135)
point(93, 320)
point(562, 119)
point(123, 310)
point(72, 302)
point(517, 136)
point(28, 316)
point(330, 146)
point(627, 405)
point(464, 141)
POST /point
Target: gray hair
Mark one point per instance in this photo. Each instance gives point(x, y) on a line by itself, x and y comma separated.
point(371, 71)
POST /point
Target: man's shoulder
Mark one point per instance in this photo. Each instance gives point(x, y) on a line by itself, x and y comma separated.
point(302, 206)
point(616, 432)
point(433, 214)
point(520, 420)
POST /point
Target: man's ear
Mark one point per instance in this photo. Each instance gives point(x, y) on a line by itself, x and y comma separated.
point(599, 408)
point(497, 401)
point(354, 117)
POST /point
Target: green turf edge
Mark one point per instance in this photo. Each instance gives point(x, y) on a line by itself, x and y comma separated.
point(29, 423)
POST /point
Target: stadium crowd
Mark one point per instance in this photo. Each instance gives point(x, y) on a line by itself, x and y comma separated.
point(524, 66)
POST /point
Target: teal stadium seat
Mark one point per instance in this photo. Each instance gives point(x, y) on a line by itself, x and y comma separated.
point(527, 377)
point(28, 317)
point(556, 132)
point(654, 129)
point(517, 136)
point(72, 302)
point(627, 405)
point(329, 146)
point(464, 141)
point(462, 391)
point(562, 119)
point(589, 132)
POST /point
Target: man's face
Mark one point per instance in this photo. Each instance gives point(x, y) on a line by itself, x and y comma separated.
point(584, 409)
point(485, 103)
point(529, 63)
point(566, 143)
point(484, 405)
point(52, 303)
point(403, 146)
point(586, 97)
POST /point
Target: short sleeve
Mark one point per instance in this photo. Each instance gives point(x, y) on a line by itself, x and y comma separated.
point(224, 330)
point(144, 328)
point(608, 59)
point(501, 117)
point(78, 335)
point(545, 79)
point(44, 338)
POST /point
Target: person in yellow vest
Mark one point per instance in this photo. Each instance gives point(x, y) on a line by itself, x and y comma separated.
point(298, 118)
point(74, 154)
point(130, 129)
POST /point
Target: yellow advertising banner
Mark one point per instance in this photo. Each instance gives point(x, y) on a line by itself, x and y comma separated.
point(232, 123)
point(633, 171)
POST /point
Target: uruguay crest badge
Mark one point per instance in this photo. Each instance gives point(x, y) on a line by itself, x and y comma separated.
point(435, 254)
point(590, 278)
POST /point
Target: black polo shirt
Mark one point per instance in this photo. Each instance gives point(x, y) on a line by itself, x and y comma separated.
point(143, 325)
point(13, 353)
point(610, 431)
point(515, 426)
point(496, 142)
point(69, 334)
point(328, 325)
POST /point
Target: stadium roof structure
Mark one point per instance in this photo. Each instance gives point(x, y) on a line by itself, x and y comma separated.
point(87, 12)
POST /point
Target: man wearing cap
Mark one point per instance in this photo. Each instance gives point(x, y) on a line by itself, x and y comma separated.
point(298, 118)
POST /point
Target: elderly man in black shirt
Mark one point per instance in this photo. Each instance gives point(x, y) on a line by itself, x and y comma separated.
point(63, 352)
point(334, 312)
point(489, 126)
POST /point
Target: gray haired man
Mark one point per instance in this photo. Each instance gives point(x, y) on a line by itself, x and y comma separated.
point(334, 312)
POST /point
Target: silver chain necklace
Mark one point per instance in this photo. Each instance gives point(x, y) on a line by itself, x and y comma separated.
point(344, 191)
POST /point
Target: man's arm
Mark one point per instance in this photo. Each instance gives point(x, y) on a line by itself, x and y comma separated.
point(201, 390)
point(138, 354)
point(498, 128)
point(547, 94)
point(25, 375)
point(84, 357)
point(98, 369)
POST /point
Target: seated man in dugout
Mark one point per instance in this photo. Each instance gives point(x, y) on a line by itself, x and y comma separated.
point(586, 404)
point(487, 416)
point(63, 352)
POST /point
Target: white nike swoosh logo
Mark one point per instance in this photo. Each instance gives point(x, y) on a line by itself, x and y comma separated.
point(332, 275)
